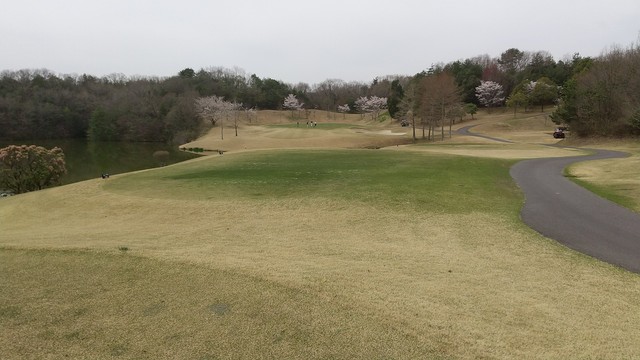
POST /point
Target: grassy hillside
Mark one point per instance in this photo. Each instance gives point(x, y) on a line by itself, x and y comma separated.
point(406, 252)
point(388, 180)
point(616, 179)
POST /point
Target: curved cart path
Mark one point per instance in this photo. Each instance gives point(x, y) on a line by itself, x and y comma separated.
point(561, 210)
point(465, 131)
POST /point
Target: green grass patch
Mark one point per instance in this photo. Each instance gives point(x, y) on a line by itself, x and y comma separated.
point(319, 126)
point(384, 117)
point(469, 145)
point(441, 183)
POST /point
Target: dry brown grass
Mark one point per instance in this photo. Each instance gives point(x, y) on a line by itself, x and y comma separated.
point(532, 127)
point(618, 175)
point(499, 151)
point(261, 135)
point(530, 133)
point(527, 130)
point(87, 305)
point(310, 278)
point(466, 286)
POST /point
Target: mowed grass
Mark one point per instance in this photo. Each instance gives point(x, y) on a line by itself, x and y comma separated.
point(614, 193)
point(303, 254)
point(615, 179)
point(302, 124)
point(83, 305)
point(399, 181)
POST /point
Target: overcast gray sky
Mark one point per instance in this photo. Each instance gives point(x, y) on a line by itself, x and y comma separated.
point(296, 40)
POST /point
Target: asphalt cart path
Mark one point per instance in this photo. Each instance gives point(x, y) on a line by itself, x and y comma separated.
point(465, 131)
point(561, 210)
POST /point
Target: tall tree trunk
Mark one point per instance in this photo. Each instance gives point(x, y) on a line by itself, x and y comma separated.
point(413, 123)
point(442, 116)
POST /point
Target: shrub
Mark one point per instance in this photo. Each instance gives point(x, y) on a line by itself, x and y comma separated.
point(26, 168)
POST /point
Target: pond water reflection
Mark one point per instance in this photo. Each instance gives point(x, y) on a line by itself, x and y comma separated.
point(87, 160)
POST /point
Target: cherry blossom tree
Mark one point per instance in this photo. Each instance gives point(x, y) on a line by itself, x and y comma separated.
point(291, 103)
point(210, 108)
point(371, 105)
point(490, 93)
point(376, 105)
point(232, 111)
point(361, 105)
point(215, 109)
point(344, 109)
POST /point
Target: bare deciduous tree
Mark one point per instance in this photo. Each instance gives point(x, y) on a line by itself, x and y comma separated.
point(438, 96)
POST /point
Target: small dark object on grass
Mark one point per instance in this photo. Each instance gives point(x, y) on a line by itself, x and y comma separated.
point(220, 309)
point(123, 248)
point(558, 134)
point(105, 176)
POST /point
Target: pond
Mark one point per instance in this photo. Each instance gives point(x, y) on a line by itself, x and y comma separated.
point(87, 160)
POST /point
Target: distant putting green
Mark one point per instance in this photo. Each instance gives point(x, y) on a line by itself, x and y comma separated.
point(319, 126)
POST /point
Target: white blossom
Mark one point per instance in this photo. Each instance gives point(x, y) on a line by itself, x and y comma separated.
point(371, 105)
point(344, 108)
point(214, 108)
point(210, 108)
point(490, 93)
point(292, 103)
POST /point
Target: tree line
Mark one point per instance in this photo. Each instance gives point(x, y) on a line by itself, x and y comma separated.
point(602, 98)
point(594, 96)
point(40, 104)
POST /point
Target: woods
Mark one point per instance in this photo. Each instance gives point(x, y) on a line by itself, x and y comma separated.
point(38, 104)
point(603, 96)
point(595, 96)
